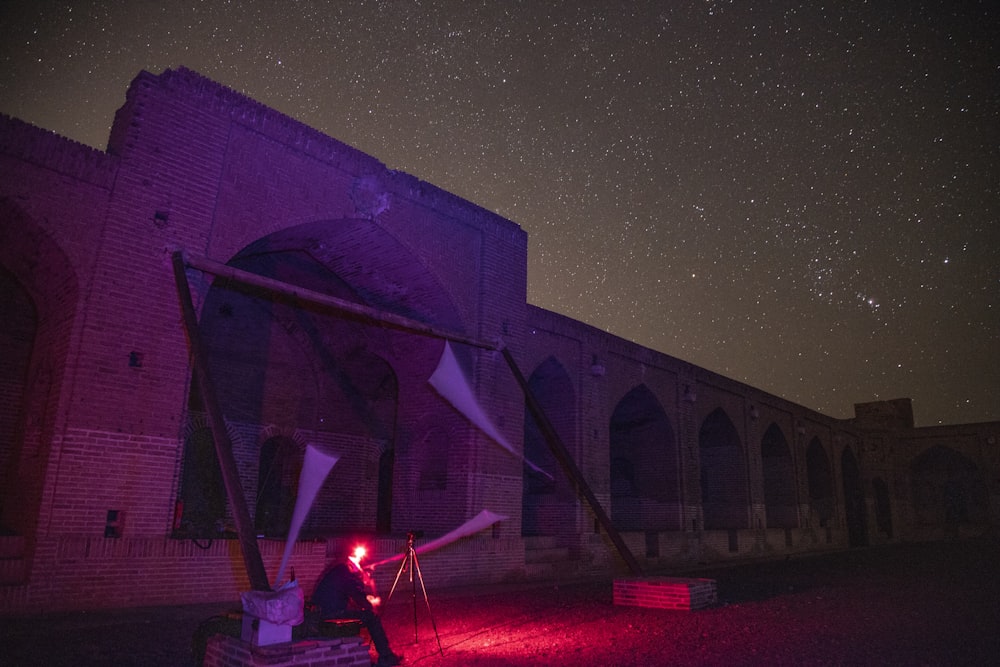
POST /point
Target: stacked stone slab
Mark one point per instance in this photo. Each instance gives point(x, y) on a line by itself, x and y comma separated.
point(666, 593)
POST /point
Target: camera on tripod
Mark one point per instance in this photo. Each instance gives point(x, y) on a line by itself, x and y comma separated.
point(410, 564)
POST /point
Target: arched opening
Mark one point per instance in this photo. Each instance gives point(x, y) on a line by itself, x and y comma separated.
point(383, 507)
point(330, 377)
point(781, 504)
point(39, 300)
point(883, 507)
point(820, 479)
point(549, 506)
point(948, 489)
point(855, 507)
point(438, 482)
point(645, 489)
point(723, 473)
point(17, 341)
point(433, 475)
point(201, 507)
point(279, 468)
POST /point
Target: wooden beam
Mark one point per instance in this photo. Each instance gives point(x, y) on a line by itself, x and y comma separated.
point(309, 296)
point(569, 466)
point(223, 445)
point(397, 321)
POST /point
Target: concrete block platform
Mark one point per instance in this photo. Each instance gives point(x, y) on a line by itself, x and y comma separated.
point(666, 593)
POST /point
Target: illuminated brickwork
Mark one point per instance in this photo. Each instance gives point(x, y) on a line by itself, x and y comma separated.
point(665, 593)
point(109, 492)
point(225, 651)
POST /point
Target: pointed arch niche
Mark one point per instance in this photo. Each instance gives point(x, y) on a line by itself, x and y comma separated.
point(855, 506)
point(17, 342)
point(645, 485)
point(278, 471)
point(781, 504)
point(39, 299)
point(883, 507)
point(948, 489)
point(330, 378)
point(820, 480)
point(548, 506)
point(723, 473)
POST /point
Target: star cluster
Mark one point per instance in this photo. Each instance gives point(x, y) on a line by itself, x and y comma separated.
point(802, 196)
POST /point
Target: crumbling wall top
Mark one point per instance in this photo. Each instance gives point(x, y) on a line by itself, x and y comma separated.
point(49, 150)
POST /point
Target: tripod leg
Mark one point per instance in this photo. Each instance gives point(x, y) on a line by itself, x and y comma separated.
point(420, 576)
point(413, 594)
point(399, 573)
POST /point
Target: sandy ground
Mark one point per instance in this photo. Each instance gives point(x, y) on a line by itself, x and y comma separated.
point(918, 604)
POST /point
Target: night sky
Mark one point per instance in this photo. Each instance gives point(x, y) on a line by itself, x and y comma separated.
point(802, 196)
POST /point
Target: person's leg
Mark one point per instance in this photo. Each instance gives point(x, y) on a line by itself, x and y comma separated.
point(374, 625)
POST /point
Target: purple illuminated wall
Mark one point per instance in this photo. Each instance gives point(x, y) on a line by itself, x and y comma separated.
point(110, 495)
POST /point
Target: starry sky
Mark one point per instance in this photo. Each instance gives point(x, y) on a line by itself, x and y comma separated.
point(802, 196)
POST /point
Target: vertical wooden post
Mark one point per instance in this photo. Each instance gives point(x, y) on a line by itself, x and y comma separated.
point(569, 466)
point(223, 445)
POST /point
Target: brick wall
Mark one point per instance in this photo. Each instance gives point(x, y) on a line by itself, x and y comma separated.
point(95, 444)
point(666, 593)
point(223, 651)
point(96, 572)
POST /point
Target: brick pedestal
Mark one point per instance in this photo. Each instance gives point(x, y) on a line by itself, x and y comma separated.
point(225, 651)
point(666, 593)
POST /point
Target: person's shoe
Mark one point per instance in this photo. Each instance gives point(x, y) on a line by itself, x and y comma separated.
point(389, 660)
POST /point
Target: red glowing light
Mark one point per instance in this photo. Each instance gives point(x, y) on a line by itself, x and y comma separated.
point(359, 552)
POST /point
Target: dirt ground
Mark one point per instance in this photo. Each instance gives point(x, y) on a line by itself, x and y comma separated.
point(917, 604)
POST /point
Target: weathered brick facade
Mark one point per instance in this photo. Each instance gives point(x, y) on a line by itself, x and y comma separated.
point(110, 495)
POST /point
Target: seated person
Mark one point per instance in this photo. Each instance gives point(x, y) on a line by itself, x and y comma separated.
point(347, 590)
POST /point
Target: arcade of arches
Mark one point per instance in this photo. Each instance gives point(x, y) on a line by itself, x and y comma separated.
point(108, 450)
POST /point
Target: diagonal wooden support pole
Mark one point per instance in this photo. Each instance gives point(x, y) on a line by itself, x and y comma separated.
point(569, 466)
point(303, 295)
point(223, 445)
point(396, 321)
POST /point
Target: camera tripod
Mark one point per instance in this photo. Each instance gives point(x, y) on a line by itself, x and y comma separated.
point(411, 564)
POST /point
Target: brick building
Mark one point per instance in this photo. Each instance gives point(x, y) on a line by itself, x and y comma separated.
point(112, 494)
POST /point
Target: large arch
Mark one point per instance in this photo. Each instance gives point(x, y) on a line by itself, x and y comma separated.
point(819, 475)
point(948, 489)
point(17, 341)
point(40, 297)
point(549, 506)
point(724, 496)
point(645, 474)
point(780, 500)
point(332, 378)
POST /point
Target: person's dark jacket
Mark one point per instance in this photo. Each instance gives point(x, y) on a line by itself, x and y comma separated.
point(340, 587)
